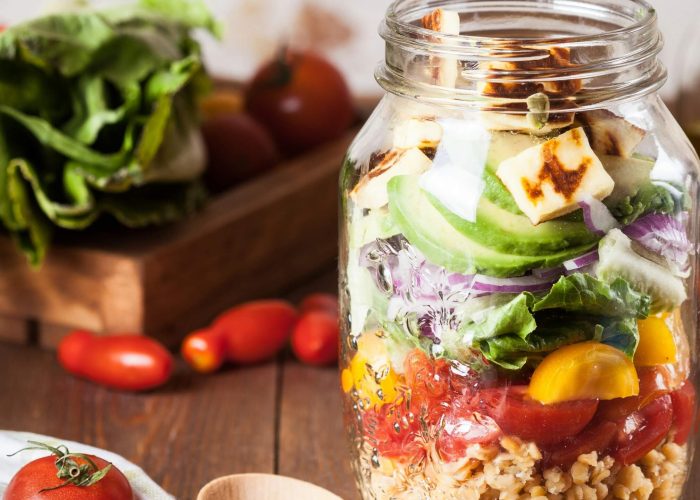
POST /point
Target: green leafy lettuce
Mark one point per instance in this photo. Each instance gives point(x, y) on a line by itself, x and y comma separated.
point(577, 308)
point(98, 116)
point(652, 197)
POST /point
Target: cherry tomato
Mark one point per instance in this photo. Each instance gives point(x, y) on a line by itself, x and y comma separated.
point(643, 430)
point(683, 401)
point(256, 331)
point(238, 149)
point(43, 473)
point(518, 414)
point(301, 99)
point(460, 427)
point(652, 384)
point(596, 437)
point(315, 338)
point(126, 362)
point(204, 350)
point(319, 301)
point(395, 432)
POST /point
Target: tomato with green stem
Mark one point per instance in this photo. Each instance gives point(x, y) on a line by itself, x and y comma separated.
point(67, 476)
point(302, 99)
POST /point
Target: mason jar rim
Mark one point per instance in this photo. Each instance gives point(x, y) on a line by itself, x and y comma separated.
point(617, 47)
point(647, 21)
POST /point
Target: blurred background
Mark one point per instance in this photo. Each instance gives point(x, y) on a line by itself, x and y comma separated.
point(347, 33)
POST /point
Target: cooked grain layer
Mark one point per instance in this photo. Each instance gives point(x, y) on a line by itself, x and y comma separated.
point(508, 471)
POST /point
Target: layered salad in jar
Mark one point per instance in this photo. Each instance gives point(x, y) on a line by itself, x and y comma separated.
point(517, 293)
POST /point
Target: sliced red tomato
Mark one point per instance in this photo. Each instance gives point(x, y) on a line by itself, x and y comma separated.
point(460, 427)
point(643, 430)
point(652, 384)
point(597, 437)
point(518, 414)
point(395, 433)
point(683, 401)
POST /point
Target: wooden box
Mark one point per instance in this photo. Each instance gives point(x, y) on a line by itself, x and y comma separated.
point(253, 241)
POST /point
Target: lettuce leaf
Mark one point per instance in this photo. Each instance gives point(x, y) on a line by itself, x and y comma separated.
point(513, 318)
point(653, 197)
point(582, 293)
point(577, 308)
point(512, 352)
point(98, 116)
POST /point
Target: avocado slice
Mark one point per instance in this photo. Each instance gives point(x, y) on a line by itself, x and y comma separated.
point(510, 233)
point(425, 227)
point(504, 145)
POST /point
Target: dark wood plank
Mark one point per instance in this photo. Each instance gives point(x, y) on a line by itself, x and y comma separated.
point(193, 430)
point(312, 442)
point(14, 330)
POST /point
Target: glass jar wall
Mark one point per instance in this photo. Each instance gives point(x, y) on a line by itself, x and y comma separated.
point(517, 270)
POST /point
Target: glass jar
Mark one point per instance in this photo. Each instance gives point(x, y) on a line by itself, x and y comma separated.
point(517, 258)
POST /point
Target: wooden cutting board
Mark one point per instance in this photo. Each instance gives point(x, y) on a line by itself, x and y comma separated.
point(256, 240)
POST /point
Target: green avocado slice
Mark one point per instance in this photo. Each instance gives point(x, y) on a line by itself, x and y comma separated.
point(507, 232)
point(425, 227)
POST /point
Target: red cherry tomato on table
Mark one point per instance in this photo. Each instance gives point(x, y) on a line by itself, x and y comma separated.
point(256, 331)
point(238, 149)
point(517, 414)
point(204, 350)
point(643, 430)
point(302, 99)
point(126, 362)
point(43, 474)
point(319, 301)
point(683, 401)
point(315, 338)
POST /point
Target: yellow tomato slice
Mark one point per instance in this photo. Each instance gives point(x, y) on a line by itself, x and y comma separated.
point(588, 370)
point(370, 373)
point(657, 345)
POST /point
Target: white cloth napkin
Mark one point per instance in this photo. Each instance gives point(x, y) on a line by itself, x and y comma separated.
point(144, 487)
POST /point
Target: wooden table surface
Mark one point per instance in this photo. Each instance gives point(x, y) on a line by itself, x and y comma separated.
point(277, 417)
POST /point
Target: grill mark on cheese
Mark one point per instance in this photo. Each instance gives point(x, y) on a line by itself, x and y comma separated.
point(433, 20)
point(612, 145)
point(564, 181)
point(381, 162)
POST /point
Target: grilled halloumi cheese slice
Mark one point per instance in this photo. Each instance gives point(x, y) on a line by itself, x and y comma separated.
point(371, 191)
point(610, 134)
point(422, 133)
point(520, 122)
point(445, 69)
point(550, 179)
point(515, 93)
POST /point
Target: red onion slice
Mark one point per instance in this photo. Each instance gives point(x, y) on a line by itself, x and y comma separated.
point(581, 261)
point(511, 285)
point(597, 217)
point(548, 272)
point(664, 235)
